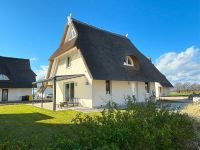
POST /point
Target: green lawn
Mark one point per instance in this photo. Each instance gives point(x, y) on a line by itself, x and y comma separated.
point(184, 94)
point(28, 124)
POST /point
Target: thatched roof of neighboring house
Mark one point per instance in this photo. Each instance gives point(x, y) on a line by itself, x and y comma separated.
point(18, 71)
point(104, 53)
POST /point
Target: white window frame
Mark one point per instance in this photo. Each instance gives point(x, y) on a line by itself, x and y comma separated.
point(4, 77)
point(126, 61)
point(64, 95)
point(69, 62)
point(72, 33)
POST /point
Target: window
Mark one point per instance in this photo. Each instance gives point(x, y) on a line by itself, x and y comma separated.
point(68, 63)
point(128, 61)
point(160, 89)
point(72, 33)
point(108, 87)
point(3, 77)
point(147, 87)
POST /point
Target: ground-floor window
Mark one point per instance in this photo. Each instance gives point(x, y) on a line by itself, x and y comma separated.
point(160, 88)
point(108, 87)
point(147, 87)
point(4, 95)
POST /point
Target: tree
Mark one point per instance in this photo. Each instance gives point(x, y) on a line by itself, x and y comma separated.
point(178, 87)
point(187, 86)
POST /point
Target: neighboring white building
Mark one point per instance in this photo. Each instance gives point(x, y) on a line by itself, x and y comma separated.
point(95, 66)
point(16, 78)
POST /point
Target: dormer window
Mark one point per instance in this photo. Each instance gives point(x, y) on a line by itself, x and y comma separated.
point(128, 61)
point(3, 77)
point(72, 33)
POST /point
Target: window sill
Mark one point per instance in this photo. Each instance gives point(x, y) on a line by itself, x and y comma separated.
point(69, 67)
point(108, 94)
point(128, 65)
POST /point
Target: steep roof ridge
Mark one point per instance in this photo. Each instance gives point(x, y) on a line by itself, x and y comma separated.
point(100, 29)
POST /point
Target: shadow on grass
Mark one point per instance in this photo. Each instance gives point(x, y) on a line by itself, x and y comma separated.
point(25, 128)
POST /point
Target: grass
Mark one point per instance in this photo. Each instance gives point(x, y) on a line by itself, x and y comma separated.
point(193, 110)
point(33, 125)
point(40, 128)
point(184, 94)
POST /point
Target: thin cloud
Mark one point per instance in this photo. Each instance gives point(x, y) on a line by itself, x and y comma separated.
point(181, 67)
point(34, 59)
point(42, 72)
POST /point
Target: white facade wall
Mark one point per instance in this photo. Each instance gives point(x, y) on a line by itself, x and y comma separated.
point(82, 91)
point(166, 91)
point(15, 94)
point(119, 91)
point(161, 91)
point(78, 65)
point(141, 92)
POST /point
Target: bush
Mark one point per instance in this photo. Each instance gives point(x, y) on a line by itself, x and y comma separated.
point(140, 127)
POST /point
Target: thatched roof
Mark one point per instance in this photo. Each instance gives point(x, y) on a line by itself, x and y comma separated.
point(18, 71)
point(104, 53)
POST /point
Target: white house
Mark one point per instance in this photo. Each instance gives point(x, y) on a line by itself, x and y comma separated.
point(16, 78)
point(94, 65)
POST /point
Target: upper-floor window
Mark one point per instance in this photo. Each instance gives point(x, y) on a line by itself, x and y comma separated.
point(128, 61)
point(3, 77)
point(68, 62)
point(108, 87)
point(72, 33)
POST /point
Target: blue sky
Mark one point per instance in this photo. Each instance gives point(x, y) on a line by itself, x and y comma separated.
point(33, 28)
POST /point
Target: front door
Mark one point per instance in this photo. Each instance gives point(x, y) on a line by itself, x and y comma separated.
point(69, 92)
point(4, 94)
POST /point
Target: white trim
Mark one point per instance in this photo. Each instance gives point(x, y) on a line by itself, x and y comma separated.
point(54, 68)
point(64, 89)
point(67, 52)
point(126, 61)
point(71, 32)
point(69, 19)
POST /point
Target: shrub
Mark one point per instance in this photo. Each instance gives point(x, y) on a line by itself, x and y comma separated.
point(140, 127)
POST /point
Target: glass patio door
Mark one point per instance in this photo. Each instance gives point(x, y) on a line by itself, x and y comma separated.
point(69, 92)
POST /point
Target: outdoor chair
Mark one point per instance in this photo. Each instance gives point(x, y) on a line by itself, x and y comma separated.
point(74, 102)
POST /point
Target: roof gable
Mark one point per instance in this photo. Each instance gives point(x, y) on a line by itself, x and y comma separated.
point(104, 53)
point(71, 34)
point(68, 32)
